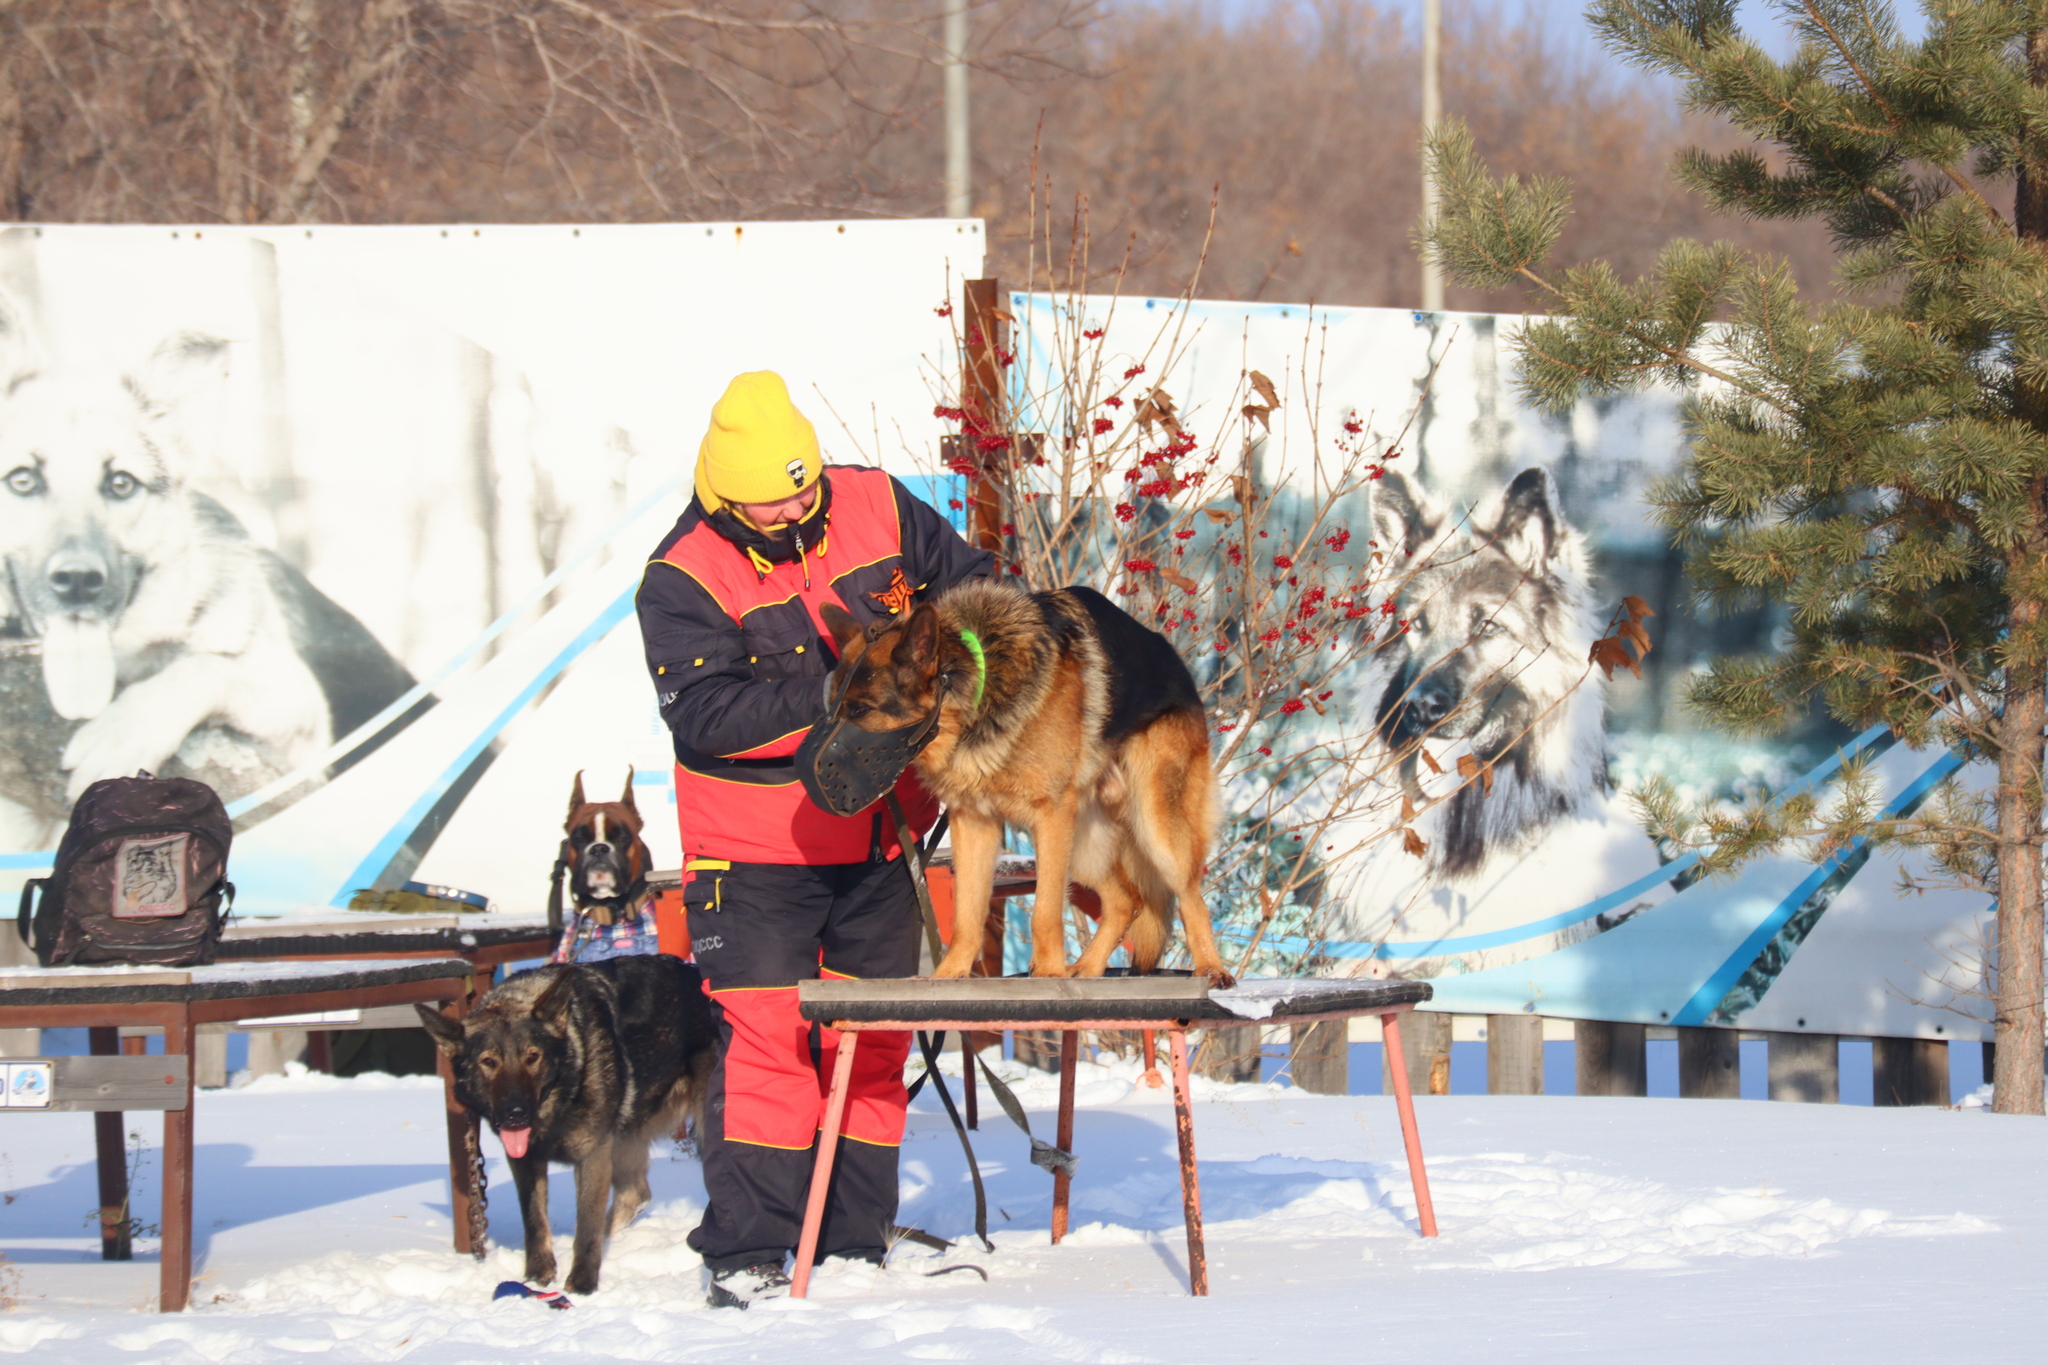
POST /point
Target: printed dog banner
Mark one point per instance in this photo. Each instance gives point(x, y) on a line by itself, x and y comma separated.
point(1549, 897)
point(347, 521)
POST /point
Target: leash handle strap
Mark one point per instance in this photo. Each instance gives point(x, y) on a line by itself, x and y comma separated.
point(914, 859)
point(555, 890)
point(1044, 1155)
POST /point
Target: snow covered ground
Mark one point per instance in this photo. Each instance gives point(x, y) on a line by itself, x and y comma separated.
point(1632, 1230)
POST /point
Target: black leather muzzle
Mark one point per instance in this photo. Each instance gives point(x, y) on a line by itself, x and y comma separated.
point(847, 769)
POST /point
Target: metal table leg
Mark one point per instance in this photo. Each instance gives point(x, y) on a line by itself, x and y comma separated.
point(1190, 1178)
point(821, 1171)
point(1063, 1135)
point(1397, 1067)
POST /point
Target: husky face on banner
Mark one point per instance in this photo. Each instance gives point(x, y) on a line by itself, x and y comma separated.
point(1500, 622)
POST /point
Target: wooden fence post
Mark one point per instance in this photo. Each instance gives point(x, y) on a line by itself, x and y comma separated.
point(1514, 1054)
point(1319, 1057)
point(1805, 1067)
point(1037, 1047)
point(1610, 1058)
point(983, 395)
point(1426, 1047)
point(1709, 1064)
point(1230, 1054)
point(1908, 1071)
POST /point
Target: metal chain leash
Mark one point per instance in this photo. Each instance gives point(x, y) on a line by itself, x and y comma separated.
point(479, 1198)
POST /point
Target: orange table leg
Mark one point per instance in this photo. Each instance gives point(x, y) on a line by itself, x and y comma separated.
point(821, 1171)
point(1190, 1177)
point(1397, 1067)
point(1063, 1136)
point(1152, 1077)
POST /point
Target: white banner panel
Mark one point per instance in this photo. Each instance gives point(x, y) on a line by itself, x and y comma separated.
point(347, 521)
point(1569, 909)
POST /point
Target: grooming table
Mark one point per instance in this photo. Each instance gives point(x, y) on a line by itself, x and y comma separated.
point(1174, 1004)
point(178, 1000)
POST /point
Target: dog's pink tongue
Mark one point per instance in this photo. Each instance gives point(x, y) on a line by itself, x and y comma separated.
point(515, 1140)
point(78, 666)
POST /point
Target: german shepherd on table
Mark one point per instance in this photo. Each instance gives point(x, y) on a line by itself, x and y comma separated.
point(588, 1065)
point(1076, 723)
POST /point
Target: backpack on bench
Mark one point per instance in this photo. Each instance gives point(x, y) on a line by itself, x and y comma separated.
point(141, 876)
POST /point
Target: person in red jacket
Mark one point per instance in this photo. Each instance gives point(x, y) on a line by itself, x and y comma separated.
point(777, 889)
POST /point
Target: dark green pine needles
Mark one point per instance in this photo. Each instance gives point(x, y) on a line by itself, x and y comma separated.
point(1878, 467)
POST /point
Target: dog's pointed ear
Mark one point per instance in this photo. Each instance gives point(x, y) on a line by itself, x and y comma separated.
point(921, 639)
point(446, 1032)
point(576, 801)
point(551, 1006)
point(18, 350)
point(183, 385)
point(1404, 518)
point(626, 799)
point(1531, 524)
point(842, 625)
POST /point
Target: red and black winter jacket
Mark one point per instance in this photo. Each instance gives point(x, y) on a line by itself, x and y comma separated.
point(738, 657)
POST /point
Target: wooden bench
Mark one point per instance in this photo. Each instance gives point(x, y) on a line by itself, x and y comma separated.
point(178, 1001)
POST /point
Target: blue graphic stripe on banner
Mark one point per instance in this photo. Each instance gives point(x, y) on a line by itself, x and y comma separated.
point(1717, 986)
point(387, 848)
point(1872, 742)
point(308, 771)
point(1499, 937)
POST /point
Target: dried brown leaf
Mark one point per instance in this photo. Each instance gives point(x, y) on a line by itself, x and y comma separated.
point(1219, 516)
point(1412, 842)
point(1634, 633)
point(1241, 489)
point(1637, 607)
point(1266, 389)
point(1468, 767)
point(1253, 412)
point(1407, 811)
point(1434, 766)
point(1611, 654)
point(1179, 580)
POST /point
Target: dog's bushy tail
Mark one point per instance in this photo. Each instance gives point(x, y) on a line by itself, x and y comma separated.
point(1148, 934)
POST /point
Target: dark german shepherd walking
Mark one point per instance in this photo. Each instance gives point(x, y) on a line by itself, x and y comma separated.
point(1066, 717)
point(588, 1065)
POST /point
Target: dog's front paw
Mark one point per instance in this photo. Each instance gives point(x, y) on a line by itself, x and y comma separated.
point(946, 971)
point(119, 742)
point(540, 1269)
point(1052, 967)
point(1217, 975)
point(581, 1280)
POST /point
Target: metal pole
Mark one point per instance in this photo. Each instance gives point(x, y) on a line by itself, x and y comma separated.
point(1432, 117)
point(958, 204)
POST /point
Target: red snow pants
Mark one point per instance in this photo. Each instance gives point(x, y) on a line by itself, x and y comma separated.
point(756, 930)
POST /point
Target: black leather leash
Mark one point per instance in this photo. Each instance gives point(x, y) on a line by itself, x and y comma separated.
point(1044, 1155)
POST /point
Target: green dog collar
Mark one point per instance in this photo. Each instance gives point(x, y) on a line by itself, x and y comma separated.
point(973, 643)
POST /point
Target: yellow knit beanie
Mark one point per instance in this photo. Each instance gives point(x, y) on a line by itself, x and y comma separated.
point(759, 447)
